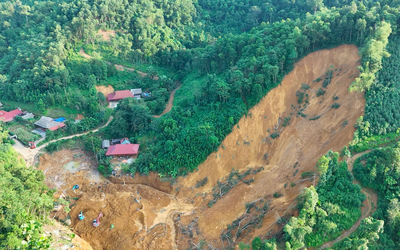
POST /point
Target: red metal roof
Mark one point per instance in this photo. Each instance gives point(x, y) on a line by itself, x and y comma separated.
point(118, 95)
point(123, 149)
point(9, 116)
point(57, 127)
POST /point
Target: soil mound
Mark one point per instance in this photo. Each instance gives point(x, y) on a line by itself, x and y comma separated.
point(106, 34)
point(105, 90)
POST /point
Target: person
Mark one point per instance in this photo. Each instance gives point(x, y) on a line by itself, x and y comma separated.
point(112, 226)
point(75, 187)
point(81, 216)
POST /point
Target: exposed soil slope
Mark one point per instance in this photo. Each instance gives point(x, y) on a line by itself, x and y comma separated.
point(106, 34)
point(301, 142)
point(105, 90)
point(164, 215)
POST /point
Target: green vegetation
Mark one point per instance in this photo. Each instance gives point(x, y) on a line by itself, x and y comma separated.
point(24, 202)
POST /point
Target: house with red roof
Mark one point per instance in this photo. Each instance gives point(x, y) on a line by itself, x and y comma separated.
point(119, 95)
point(9, 116)
point(123, 149)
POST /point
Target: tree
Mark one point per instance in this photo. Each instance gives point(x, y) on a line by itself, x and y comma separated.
point(322, 165)
point(257, 244)
point(315, 4)
point(40, 105)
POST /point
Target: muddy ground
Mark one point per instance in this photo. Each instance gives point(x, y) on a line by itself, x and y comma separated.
point(150, 214)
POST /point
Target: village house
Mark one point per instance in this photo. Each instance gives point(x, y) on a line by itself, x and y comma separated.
point(123, 150)
point(137, 93)
point(115, 97)
point(49, 123)
point(9, 116)
point(119, 95)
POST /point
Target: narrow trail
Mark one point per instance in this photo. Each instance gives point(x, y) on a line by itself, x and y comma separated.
point(29, 155)
point(169, 104)
point(118, 66)
point(370, 204)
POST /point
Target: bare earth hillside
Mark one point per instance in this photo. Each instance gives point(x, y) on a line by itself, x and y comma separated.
point(149, 214)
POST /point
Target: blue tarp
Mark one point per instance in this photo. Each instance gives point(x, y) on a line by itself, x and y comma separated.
point(61, 119)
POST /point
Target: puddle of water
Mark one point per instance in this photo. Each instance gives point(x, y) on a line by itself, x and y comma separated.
point(72, 166)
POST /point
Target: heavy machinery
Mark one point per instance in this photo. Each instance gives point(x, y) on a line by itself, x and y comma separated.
point(96, 222)
point(31, 144)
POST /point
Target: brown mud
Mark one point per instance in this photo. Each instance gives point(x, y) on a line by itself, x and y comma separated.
point(164, 214)
point(300, 144)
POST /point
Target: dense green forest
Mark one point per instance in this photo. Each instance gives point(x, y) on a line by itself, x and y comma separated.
point(226, 54)
point(24, 201)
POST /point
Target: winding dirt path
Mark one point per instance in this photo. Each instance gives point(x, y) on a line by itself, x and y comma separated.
point(29, 155)
point(118, 66)
point(370, 204)
point(169, 104)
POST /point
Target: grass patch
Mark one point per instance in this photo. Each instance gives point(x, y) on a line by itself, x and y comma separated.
point(58, 111)
point(373, 142)
point(192, 86)
point(10, 105)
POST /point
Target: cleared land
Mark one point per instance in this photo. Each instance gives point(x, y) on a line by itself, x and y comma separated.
point(179, 217)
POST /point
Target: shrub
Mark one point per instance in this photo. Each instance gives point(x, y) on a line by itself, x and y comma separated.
point(320, 92)
point(301, 97)
point(305, 86)
point(307, 174)
point(201, 183)
point(274, 135)
point(336, 105)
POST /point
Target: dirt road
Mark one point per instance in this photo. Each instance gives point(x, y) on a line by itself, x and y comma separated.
point(169, 104)
point(366, 210)
point(29, 155)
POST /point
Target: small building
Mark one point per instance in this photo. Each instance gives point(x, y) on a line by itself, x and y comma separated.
point(105, 144)
point(9, 116)
point(123, 149)
point(119, 95)
point(116, 141)
point(27, 116)
point(39, 132)
point(49, 123)
point(137, 93)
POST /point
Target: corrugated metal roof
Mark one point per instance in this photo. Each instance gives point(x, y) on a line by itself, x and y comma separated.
point(47, 122)
point(105, 144)
point(136, 91)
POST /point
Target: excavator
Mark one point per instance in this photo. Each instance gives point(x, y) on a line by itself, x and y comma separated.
point(96, 222)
